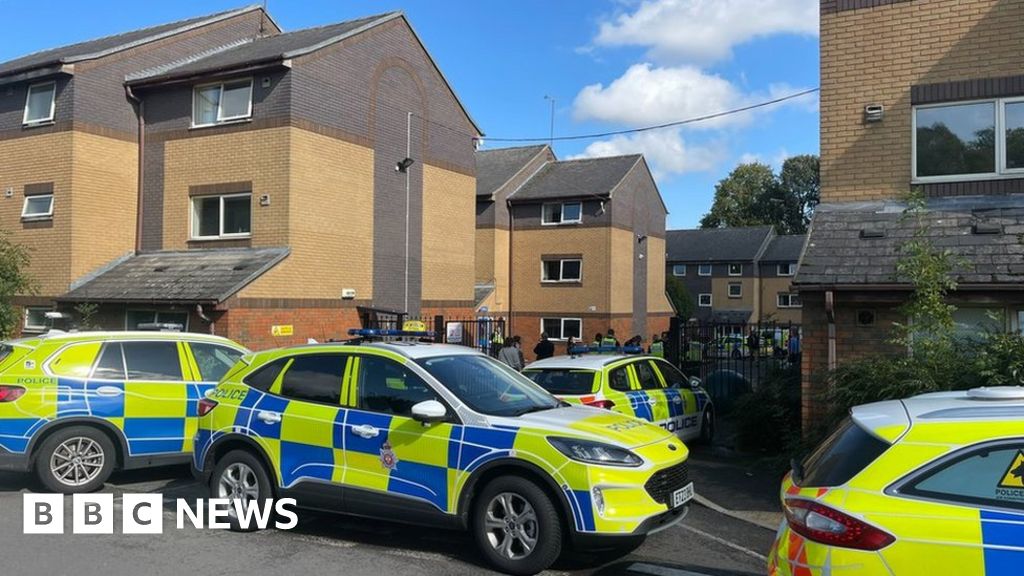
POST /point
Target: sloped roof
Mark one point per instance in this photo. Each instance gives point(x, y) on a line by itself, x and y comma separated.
point(575, 178)
point(838, 253)
point(494, 168)
point(180, 276)
point(716, 244)
point(481, 292)
point(99, 47)
point(784, 248)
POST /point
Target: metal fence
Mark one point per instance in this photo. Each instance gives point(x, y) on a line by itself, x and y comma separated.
point(484, 333)
point(732, 358)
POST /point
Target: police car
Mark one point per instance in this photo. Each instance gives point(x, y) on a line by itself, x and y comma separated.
point(439, 436)
point(75, 406)
point(933, 484)
point(645, 387)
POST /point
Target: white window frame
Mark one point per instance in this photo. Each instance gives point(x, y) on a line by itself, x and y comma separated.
point(33, 327)
point(561, 327)
point(789, 267)
point(37, 216)
point(789, 300)
point(220, 227)
point(700, 300)
point(561, 271)
point(701, 272)
point(740, 273)
point(53, 105)
point(561, 214)
point(221, 119)
point(1001, 171)
point(675, 267)
point(735, 285)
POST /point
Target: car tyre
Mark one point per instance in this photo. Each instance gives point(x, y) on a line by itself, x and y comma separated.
point(707, 427)
point(503, 537)
point(237, 475)
point(75, 460)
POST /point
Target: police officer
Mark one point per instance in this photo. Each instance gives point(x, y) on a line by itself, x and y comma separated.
point(609, 343)
point(657, 346)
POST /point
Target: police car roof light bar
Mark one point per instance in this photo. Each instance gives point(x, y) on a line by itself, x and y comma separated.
point(386, 333)
point(580, 350)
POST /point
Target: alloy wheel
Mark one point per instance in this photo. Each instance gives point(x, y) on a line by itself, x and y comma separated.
point(77, 461)
point(511, 526)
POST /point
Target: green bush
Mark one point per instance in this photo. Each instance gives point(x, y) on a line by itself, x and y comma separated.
point(767, 420)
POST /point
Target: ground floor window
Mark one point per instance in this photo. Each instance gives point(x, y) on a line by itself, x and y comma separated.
point(788, 300)
point(562, 328)
point(228, 216)
point(153, 320)
point(35, 319)
point(735, 290)
point(704, 300)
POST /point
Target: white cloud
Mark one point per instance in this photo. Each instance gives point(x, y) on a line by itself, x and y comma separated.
point(666, 151)
point(750, 158)
point(646, 95)
point(775, 161)
point(706, 31)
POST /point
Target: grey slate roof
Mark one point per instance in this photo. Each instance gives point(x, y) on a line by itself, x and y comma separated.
point(716, 244)
point(278, 47)
point(494, 168)
point(109, 44)
point(837, 255)
point(785, 248)
point(575, 178)
point(185, 276)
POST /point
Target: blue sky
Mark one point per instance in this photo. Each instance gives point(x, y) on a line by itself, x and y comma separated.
point(609, 64)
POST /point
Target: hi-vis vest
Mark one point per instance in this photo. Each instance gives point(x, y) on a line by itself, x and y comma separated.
point(658, 349)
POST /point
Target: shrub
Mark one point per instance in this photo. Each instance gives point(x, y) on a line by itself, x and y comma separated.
point(767, 420)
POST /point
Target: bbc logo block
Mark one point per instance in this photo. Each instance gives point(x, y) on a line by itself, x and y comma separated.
point(92, 514)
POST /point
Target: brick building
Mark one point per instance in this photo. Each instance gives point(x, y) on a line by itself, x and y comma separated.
point(737, 275)
point(223, 142)
point(587, 245)
point(925, 95)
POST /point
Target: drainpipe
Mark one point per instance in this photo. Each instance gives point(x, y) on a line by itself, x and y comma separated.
point(830, 315)
point(140, 108)
point(508, 204)
point(202, 316)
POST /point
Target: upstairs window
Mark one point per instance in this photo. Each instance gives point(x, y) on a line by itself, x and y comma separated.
point(735, 290)
point(562, 270)
point(39, 103)
point(704, 300)
point(564, 213)
point(679, 270)
point(37, 207)
point(786, 269)
point(788, 300)
point(217, 103)
point(735, 269)
point(969, 141)
point(704, 270)
point(224, 216)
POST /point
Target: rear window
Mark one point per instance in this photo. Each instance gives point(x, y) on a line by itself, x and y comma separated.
point(840, 457)
point(564, 382)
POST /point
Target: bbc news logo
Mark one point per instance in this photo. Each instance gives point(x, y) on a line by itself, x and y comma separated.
point(144, 514)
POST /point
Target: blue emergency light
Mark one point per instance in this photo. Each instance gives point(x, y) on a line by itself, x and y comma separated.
point(579, 350)
point(381, 333)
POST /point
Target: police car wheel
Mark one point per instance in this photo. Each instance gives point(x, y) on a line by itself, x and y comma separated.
point(707, 427)
point(240, 476)
point(75, 460)
point(516, 526)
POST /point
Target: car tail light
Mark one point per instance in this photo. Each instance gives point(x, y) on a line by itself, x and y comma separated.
point(606, 404)
point(206, 405)
point(825, 525)
point(11, 393)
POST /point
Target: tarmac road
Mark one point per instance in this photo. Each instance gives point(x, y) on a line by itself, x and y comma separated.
point(704, 543)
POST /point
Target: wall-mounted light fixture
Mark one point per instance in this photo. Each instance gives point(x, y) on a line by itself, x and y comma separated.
point(874, 113)
point(403, 165)
point(265, 200)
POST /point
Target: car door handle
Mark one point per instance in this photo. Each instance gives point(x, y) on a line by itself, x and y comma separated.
point(269, 417)
point(365, 431)
point(108, 391)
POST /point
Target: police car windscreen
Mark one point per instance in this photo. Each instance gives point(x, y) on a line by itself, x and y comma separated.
point(488, 386)
point(563, 382)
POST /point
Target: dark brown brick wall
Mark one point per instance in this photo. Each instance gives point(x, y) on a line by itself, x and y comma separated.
point(12, 107)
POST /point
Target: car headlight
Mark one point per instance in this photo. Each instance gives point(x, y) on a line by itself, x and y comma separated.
point(595, 452)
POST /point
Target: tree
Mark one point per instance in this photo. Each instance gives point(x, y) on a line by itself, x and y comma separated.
point(14, 281)
point(753, 195)
point(681, 298)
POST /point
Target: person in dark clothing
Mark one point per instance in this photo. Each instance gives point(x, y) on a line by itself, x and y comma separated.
point(545, 348)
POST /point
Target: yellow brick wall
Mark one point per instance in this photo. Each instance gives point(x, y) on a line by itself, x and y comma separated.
point(874, 56)
point(621, 250)
point(104, 173)
point(770, 288)
point(529, 295)
point(34, 160)
point(330, 201)
point(720, 295)
point(657, 300)
point(485, 252)
point(449, 227)
point(259, 156)
point(492, 265)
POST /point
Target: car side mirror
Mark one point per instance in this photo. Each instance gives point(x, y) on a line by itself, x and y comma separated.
point(429, 411)
point(694, 382)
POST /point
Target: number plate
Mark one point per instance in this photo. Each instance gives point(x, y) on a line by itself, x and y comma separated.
point(682, 496)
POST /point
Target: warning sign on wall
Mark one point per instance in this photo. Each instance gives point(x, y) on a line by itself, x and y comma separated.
point(282, 330)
